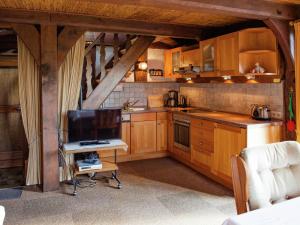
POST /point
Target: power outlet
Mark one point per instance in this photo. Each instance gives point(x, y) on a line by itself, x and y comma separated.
point(276, 115)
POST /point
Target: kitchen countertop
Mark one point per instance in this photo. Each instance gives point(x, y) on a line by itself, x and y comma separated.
point(233, 119)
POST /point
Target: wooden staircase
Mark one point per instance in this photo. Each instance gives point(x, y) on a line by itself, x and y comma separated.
point(111, 73)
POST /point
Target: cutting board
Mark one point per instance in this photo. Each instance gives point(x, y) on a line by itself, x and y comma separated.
point(155, 101)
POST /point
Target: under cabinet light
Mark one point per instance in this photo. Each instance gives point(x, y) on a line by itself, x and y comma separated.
point(226, 77)
point(250, 76)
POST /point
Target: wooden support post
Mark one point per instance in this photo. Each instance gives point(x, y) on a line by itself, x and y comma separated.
point(101, 92)
point(49, 75)
point(282, 33)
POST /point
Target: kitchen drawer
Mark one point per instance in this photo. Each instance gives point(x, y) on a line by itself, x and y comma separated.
point(203, 124)
point(138, 117)
point(162, 116)
point(203, 146)
point(201, 159)
point(198, 134)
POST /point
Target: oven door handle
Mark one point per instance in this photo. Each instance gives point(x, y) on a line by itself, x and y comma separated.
point(185, 123)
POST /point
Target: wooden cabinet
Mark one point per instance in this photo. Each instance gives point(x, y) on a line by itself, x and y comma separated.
point(191, 57)
point(228, 55)
point(258, 45)
point(170, 132)
point(237, 53)
point(228, 141)
point(173, 59)
point(202, 143)
point(143, 133)
point(162, 131)
point(125, 134)
point(126, 137)
point(168, 64)
point(209, 58)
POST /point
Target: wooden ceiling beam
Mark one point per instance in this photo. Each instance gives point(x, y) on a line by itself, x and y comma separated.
point(257, 9)
point(100, 24)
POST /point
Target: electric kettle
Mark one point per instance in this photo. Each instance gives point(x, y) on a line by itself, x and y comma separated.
point(261, 112)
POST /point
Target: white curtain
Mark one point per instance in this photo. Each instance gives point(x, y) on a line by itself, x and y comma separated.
point(29, 92)
point(69, 81)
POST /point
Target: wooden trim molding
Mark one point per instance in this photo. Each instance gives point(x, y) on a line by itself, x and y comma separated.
point(240, 184)
point(9, 108)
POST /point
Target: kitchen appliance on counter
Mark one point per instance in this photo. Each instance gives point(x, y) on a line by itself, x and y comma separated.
point(261, 112)
point(182, 101)
point(182, 132)
point(172, 99)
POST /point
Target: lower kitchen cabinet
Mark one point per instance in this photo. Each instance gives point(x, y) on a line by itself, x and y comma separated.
point(213, 144)
point(143, 133)
point(202, 143)
point(170, 132)
point(228, 141)
point(162, 131)
point(125, 137)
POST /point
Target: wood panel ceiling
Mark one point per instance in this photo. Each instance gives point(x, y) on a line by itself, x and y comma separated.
point(123, 11)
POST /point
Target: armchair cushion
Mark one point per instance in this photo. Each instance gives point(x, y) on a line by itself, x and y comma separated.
point(274, 173)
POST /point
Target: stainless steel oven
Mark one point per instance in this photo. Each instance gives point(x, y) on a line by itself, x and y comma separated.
point(182, 132)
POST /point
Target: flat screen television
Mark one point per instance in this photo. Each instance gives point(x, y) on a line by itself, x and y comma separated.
point(87, 125)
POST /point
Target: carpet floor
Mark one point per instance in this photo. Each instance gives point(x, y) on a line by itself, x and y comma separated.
point(154, 192)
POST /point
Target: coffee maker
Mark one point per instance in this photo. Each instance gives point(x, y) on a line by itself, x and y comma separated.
point(172, 98)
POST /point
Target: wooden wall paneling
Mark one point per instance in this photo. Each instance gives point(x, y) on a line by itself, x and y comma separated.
point(31, 38)
point(282, 33)
point(66, 40)
point(116, 74)
point(49, 76)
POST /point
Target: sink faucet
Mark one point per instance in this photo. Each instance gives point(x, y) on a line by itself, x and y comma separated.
point(129, 104)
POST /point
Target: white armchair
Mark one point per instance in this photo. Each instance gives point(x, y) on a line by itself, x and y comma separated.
point(265, 175)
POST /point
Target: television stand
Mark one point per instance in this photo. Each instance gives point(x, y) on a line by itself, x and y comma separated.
point(75, 147)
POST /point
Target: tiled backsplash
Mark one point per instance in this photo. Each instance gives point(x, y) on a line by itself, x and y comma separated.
point(224, 97)
point(235, 97)
point(137, 91)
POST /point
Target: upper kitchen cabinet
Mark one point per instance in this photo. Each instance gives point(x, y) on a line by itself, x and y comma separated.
point(209, 57)
point(228, 53)
point(191, 57)
point(249, 51)
point(258, 45)
point(172, 62)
